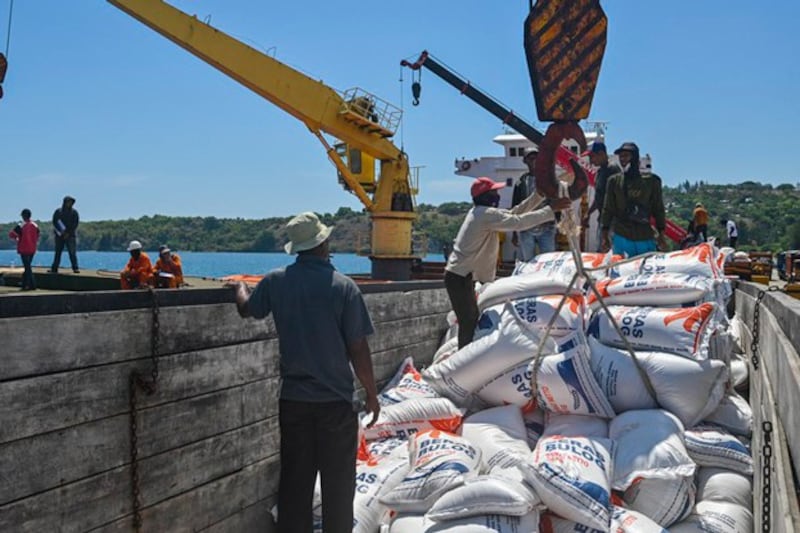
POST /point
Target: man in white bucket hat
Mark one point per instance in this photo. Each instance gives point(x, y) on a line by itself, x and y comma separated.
point(323, 324)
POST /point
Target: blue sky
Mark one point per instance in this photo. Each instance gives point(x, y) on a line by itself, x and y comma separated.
point(100, 107)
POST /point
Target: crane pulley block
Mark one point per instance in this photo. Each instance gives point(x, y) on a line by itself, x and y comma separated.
point(564, 45)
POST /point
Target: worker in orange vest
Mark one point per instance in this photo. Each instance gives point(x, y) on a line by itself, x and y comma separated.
point(138, 273)
point(700, 216)
point(168, 269)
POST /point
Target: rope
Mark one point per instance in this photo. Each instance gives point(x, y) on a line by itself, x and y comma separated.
point(8, 32)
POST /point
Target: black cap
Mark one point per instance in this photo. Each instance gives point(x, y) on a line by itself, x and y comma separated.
point(628, 147)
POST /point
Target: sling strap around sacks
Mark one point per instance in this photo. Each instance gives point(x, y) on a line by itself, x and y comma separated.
point(569, 227)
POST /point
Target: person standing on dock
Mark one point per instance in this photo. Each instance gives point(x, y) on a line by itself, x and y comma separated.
point(731, 231)
point(26, 235)
point(541, 237)
point(476, 246)
point(138, 272)
point(323, 325)
point(65, 224)
point(631, 201)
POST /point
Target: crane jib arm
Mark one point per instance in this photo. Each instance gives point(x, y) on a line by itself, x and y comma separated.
point(310, 101)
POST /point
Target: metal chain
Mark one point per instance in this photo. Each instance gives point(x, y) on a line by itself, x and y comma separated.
point(766, 471)
point(138, 381)
point(756, 336)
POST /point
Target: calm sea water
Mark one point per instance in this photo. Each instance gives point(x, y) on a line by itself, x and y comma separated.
point(205, 264)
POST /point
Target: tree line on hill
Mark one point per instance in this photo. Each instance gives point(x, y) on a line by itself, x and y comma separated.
point(768, 219)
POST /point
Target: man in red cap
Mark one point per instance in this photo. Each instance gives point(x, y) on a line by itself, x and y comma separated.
point(475, 248)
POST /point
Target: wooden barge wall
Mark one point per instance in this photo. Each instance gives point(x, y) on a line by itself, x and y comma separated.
point(207, 438)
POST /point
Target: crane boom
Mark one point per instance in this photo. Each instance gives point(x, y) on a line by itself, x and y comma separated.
point(353, 120)
point(506, 115)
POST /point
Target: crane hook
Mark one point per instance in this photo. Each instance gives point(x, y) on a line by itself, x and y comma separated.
point(416, 89)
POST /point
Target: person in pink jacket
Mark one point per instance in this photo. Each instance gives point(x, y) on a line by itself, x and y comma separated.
point(27, 236)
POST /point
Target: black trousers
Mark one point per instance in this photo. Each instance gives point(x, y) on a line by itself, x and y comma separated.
point(461, 291)
point(317, 437)
point(28, 281)
point(73, 256)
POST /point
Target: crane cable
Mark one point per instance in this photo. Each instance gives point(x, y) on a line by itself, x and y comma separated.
point(4, 57)
point(8, 32)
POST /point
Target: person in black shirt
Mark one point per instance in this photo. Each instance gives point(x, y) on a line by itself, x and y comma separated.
point(598, 156)
point(65, 224)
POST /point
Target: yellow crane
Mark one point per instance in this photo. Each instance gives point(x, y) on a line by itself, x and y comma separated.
point(362, 122)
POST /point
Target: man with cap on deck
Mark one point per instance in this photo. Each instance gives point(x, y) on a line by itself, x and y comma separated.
point(598, 156)
point(475, 248)
point(322, 324)
point(168, 271)
point(631, 200)
point(138, 272)
point(542, 236)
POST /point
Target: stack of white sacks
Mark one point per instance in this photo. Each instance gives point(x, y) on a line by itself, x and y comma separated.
point(474, 444)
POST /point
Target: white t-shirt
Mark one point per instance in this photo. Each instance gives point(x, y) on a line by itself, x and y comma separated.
point(732, 232)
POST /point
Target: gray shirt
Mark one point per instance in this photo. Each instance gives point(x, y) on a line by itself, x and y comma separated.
point(317, 311)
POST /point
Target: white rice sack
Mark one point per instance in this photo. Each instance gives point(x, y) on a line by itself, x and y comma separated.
point(514, 287)
point(622, 521)
point(373, 480)
point(571, 476)
point(566, 385)
point(405, 385)
point(412, 416)
point(562, 264)
point(492, 523)
point(689, 389)
point(629, 521)
point(740, 374)
point(513, 385)
point(723, 485)
point(446, 350)
point(510, 344)
point(534, 425)
point(575, 426)
point(535, 312)
point(616, 373)
point(717, 517)
point(484, 495)
point(662, 290)
point(440, 462)
point(683, 331)
point(649, 445)
point(697, 260)
point(500, 435)
point(664, 501)
point(733, 414)
point(710, 445)
point(382, 448)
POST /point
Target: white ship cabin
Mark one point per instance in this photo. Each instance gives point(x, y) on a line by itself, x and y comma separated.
point(509, 166)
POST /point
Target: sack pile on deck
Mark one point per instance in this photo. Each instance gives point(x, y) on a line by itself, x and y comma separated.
point(587, 438)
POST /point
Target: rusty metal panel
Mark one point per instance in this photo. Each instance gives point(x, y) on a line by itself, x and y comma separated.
point(564, 44)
